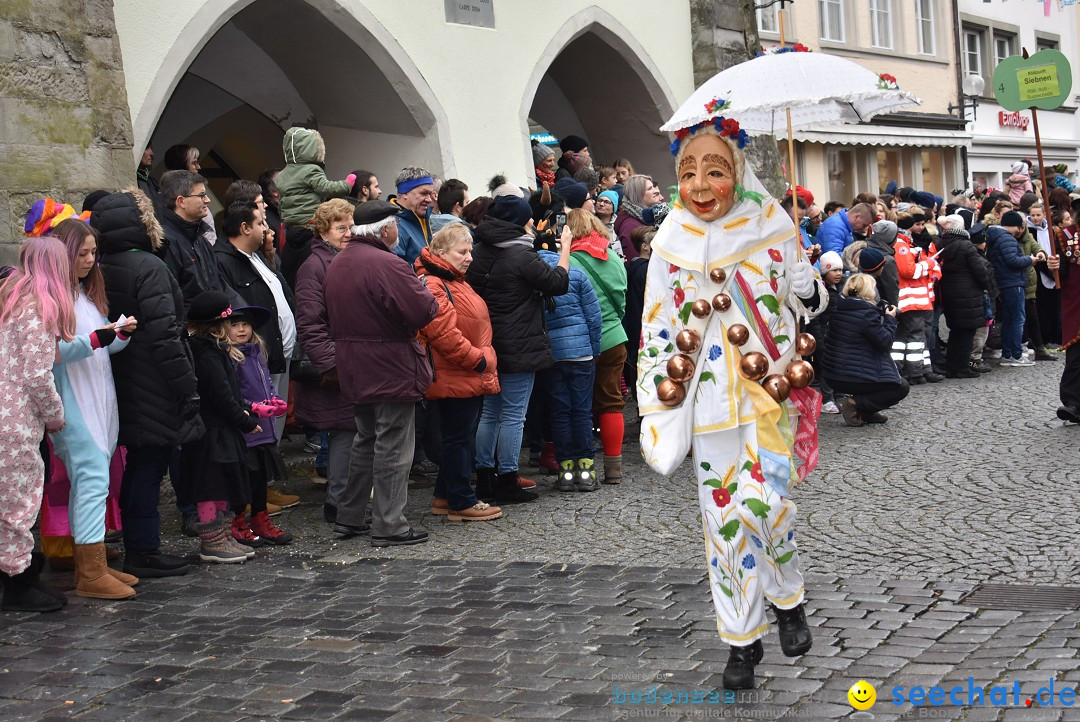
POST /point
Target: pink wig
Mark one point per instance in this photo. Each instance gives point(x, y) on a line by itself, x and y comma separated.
point(44, 280)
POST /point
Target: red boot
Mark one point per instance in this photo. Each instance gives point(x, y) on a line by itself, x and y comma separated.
point(548, 462)
point(261, 525)
point(243, 533)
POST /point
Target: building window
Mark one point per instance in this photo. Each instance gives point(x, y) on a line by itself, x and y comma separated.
point(1045, 44)
point(924, 24)
point(1004, 46)
point(972, 50)
point(768, 19)
point(881, 23)
point(831, 18)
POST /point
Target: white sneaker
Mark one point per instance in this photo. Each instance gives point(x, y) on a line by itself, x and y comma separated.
point(992, 353)
point(1024, 361)
point(829, 407)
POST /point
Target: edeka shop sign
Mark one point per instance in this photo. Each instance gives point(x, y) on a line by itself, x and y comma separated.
point(1043, 80)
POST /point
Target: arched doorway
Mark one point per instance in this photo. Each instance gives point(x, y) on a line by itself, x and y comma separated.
point(273, 64)
point(602, 85)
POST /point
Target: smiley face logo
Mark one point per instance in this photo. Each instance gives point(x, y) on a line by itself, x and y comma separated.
point(862, 695)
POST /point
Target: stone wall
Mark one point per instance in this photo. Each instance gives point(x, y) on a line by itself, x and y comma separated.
point(723, 30)
point(65, 129)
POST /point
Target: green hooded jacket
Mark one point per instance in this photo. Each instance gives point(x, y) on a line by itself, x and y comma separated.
point(303, 183)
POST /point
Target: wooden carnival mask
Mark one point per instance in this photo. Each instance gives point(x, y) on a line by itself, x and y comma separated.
point(706, 175)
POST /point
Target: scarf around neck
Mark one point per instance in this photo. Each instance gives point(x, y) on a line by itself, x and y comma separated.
point(595, 244)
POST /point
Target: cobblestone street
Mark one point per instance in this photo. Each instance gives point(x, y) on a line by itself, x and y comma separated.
point(569, 605)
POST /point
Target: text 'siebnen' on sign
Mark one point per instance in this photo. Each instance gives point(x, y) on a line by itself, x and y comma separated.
point(1038, 83)
point(480, 13)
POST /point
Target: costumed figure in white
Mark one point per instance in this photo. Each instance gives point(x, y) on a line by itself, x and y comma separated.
point(720, 374)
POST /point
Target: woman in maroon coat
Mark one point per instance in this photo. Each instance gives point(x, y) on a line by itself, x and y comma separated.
point(319, 403)
point(377, 306)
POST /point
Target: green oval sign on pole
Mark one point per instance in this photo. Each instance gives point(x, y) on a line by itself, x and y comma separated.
point(1043, 80)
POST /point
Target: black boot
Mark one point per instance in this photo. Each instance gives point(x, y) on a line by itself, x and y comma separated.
point(21, 594)
point(37, 564)
point(485, 484)
point(795, 637)
point(507, 490)
point(739, 672)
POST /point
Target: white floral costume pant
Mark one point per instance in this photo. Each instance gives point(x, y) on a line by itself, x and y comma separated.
point(749, 534)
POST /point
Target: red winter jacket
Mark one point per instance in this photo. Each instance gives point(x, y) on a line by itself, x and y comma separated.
point(460, 336)
point(918, 272)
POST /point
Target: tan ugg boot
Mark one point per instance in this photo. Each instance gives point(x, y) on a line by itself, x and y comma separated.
point(91, 577)
point(612, 469)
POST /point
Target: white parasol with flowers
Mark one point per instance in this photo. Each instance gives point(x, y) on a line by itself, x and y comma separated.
point(790, 83)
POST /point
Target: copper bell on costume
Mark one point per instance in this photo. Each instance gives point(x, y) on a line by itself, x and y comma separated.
point(670, 393)
point(799, 374)
point(805, 344)
point(738, 334)
point(680, 368)
point(701, 308)
point(754, 365)
point(777, 386)
point(688, 341)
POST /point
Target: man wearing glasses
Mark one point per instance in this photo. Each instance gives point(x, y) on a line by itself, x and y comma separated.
point(189, 256)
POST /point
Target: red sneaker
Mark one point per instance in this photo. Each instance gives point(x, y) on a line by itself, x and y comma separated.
point(243, 533)
point(270, 534)
point(524, 483)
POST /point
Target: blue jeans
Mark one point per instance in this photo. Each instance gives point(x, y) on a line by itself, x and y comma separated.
point(502, 423)
point(458, 419)
point(569, 386)
point(1012, 322)
point(139, 494)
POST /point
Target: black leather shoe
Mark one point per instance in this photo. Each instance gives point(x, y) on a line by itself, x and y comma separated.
point(410, 537)
point(968, 373)
point(348, 531)
point(507, 490)
point(154, 564)
point(875, 418)
point(1067, 413)
point(933, 378)
point(795, 637)
point(329, 513)
point(739, 672)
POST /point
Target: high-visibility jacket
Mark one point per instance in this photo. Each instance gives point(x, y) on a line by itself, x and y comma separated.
point(918, 272)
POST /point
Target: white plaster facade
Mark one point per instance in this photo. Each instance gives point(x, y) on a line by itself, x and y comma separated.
point(991, 29)
point(393, 83)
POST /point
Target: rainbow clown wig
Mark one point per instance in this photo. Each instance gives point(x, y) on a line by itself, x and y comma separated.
point(46, 214)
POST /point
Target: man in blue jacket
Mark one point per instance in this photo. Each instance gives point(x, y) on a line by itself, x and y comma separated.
point(836, 232)
point(416, 196)
point(1010, 270)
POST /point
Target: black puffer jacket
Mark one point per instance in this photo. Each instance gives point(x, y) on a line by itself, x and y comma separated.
point(888, 283)
point(190, 257)
point(964, 277)
point(512, 279)
point(860, 339)
point(154, 375)
point(240, 276)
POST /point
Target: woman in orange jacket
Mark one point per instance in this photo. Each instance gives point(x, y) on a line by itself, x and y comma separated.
point(459, 341)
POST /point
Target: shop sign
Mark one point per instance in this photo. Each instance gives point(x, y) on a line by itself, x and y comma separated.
point(479, 13)
point(1013, 120)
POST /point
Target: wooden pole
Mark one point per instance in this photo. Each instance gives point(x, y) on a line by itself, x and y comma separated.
point(791, 150)
point(1045, 186)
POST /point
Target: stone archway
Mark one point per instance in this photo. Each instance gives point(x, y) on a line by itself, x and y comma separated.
point(594, 79)
point(256, 69)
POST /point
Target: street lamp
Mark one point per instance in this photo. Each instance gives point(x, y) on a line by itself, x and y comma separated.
point(973, 87)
